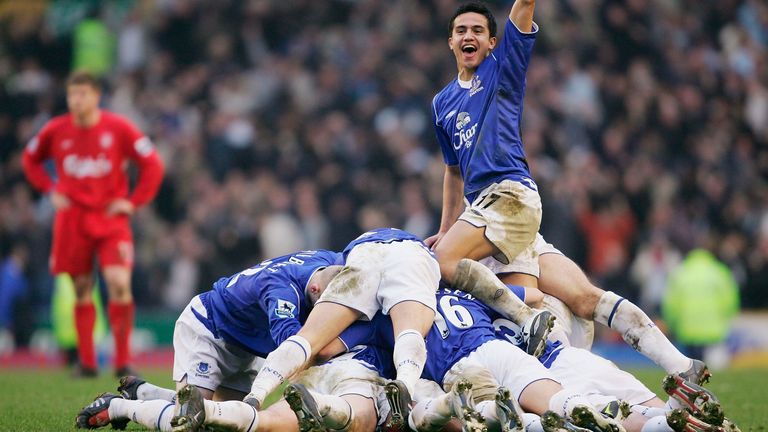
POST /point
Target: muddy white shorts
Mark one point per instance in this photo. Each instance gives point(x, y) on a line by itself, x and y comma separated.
point(206, 361)
point(377, 276)
point(343, 375)
point(511, 215)
point(521, 264)
point(510, 366)
point(598, 379)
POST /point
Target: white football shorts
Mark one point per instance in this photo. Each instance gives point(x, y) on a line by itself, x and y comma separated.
point(377, 276)
point(343, 375)
point(206, 361)
point(511, 215)
point(510, 366)
point(598, 379)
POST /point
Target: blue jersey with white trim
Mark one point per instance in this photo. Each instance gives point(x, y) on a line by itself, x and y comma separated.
point(461, 326)
point(383, 235)
point(260, 307)
point(478, 128)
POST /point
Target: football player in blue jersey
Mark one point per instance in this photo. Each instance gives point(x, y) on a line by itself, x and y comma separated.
point(387, 270)
point(223, 335)
point(477, 120)
point(462, 340)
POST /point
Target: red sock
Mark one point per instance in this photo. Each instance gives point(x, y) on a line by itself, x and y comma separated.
point(121, 321)
point(85, 319)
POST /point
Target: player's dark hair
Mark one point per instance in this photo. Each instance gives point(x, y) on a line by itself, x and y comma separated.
point(477, 8)
point(82, 77)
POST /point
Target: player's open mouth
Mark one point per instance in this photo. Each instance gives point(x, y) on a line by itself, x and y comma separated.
point(468, 49)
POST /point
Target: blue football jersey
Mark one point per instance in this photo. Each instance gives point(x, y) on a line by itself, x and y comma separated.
point(260, 307)
point(373, 357)
point(461, 326)
point(478, 126)
point(383, 235)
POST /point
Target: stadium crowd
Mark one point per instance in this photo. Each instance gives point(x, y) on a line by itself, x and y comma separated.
point(291, 125)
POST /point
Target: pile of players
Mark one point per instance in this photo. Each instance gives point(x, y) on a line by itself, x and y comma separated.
point(369, 338)
point(481, 370)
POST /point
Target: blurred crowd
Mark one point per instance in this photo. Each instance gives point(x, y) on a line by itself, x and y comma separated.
point(298, 124)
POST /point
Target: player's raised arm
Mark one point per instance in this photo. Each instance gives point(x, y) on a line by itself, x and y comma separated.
point(522, 14)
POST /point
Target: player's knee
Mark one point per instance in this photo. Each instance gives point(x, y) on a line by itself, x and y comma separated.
point(588, 297)
point(447, 262)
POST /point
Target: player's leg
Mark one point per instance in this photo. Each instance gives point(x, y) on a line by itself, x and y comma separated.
point(111, 409)
point(458, 252)
point(72, 252)
point(116, 260)
point(350, 294)
point(562, 278)
point(411, 321)
point(326, 321)
point(134, 388)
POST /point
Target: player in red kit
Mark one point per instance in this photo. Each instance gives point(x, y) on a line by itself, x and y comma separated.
point(91, 149)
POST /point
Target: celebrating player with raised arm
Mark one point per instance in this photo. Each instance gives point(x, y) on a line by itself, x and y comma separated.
point(477, 121)
point(90, 148)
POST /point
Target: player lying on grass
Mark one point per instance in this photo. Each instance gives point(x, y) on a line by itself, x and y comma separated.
point(463, 339)
point(339, 395)
point(583, 371)
point(578, 370)
point(221, 337)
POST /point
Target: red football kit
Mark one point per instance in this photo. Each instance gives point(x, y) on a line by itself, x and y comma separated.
point(91, 165)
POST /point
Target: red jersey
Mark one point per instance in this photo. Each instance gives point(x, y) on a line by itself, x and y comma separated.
point(91, 162)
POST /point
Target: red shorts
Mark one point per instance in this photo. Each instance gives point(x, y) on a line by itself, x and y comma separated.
point(79, 235)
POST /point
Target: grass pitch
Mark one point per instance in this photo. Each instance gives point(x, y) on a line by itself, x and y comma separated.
point(48, 400)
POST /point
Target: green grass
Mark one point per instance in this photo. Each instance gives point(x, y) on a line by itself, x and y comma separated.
point(46, 400)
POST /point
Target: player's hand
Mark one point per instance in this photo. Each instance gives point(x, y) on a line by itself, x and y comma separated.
point(433, 240)
point(60, 201)
point(120, 206)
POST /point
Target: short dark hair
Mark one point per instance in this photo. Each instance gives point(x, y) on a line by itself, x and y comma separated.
point(83, 77)
point(477, 8)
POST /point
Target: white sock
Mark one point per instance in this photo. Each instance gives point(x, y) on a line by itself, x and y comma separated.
point(563, 319)
point(152, 414)
point(488, 410)
point(231, 415)
point(532, 423)
point(409, 356)
point(639, 332)
point(657, 424)
point(673, 404)
point(564, 401)
point(431, 414)
point(290, 357)
point(478, 280)
point(149, 391)
point(336, 412)
point(648, 412)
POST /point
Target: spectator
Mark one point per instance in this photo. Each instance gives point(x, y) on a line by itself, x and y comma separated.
point(701, 300)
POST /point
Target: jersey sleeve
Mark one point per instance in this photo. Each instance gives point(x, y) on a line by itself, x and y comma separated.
point(449, 155)
point(514, 54)
point(141, 150)
point(34, 157)
point(283, 307)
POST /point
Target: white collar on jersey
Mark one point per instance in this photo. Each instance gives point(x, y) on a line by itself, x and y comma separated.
point(465, 84)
